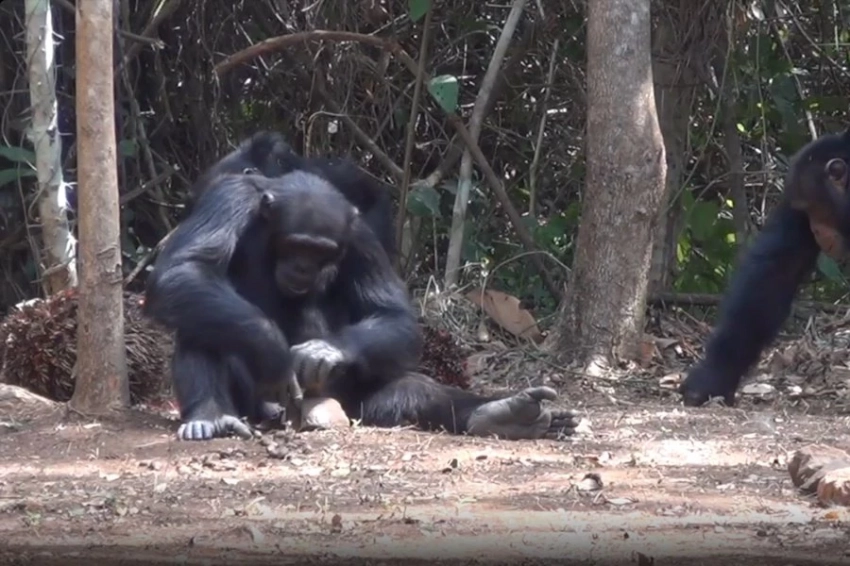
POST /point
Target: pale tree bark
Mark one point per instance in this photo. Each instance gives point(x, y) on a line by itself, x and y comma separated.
point(101, 368)
point(604, 308)
point(58, 264)
point(478, 111)
point(674, 96)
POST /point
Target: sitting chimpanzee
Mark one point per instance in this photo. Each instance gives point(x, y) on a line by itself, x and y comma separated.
point(814, 215)
point(268, 154)
point(268, 276)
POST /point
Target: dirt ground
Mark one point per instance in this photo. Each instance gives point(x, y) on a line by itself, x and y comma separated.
point(646, 482)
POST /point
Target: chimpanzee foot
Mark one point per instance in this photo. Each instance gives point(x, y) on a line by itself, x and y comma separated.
point(522, 416)
point(704, 382)
point(207, 429)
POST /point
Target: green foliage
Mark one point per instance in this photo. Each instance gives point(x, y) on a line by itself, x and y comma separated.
point(829, 268)
point(423, 201)
point(128, 148)
point(11, 175)
point(17, 154)
point(417, 9)
point(771, 87)
point(504, 258)
point(445, 90)
point(707, 246)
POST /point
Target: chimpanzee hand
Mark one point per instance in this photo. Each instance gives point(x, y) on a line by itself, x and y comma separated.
point(705, 382)
point(522, 416)
point(314, 362)
point(206, 429)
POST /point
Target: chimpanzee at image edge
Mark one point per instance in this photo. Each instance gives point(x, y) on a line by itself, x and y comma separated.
point(278, 272)
point(813, 216)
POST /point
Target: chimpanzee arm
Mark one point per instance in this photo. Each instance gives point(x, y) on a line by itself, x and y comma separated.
point(204, 308)
point(189, 290)
point(384, 341)
point(757, 303)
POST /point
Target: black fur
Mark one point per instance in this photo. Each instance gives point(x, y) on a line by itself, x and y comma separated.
point(214, 282)
point(269, 154)
point(780, 259)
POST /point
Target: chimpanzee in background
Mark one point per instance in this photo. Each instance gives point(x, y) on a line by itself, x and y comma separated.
point(814, 215)
point(269, 154)
point(268, 276)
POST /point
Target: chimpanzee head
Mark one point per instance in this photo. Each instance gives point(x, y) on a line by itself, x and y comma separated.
point(818, 182)
point(264, 153)
point(310, 226)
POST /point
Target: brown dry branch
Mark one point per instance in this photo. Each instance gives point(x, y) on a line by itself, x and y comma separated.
point(394, 169)
point(710, 300)
point(281, 42)
point(163, 11)
point(148, 258)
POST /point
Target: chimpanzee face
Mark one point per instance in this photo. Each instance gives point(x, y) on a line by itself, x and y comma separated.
point(310, 224)
point(305, 263)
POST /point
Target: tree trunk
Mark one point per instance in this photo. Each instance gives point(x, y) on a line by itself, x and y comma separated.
point(59, 270)
point(101, 359)
point(604, 309)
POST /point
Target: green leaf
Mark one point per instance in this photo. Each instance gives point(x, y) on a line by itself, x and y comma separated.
point(417, 9)
point(830, 269)
point(10, 175)
point(424, 201)
point(17, 154)
point(449, 186)
point(128, 148)
point(703, 218)
point(444, 89)
point(688, 201)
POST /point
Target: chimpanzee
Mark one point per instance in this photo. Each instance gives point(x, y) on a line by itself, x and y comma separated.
point(268, 154)
point(814, 215)
point(269, 276)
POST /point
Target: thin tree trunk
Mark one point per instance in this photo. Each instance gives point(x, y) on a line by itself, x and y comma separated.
point(59, 270)
point(465, 178)
point(605, 305)
point(101, 359)
point(674, 95)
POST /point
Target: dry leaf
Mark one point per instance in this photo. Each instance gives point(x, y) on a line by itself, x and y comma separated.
point(809, 464)
point(647, 351)
point(834, 487)
point(670, 381)
point(505, 311)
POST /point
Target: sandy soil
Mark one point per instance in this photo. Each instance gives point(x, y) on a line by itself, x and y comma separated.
point(647, 482)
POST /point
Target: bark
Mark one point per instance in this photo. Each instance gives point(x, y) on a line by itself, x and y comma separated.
point(604, 308)
point(101, 359)
point(674, 95)
point(58, 269)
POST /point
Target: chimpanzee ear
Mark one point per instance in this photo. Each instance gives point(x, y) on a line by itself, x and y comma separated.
point(837, 170)
point(266, 201)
